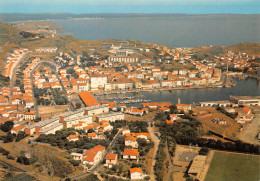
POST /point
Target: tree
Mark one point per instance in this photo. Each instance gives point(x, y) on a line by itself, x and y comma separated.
point(70, 71)
point(9, 137)
point(20, 135)
point(173, 109)
point(7, 126)
point(245, 70)
point(203, 151)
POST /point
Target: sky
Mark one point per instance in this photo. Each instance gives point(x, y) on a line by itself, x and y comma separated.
point(131, 6)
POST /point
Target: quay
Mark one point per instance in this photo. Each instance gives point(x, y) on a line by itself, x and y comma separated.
point(151, 90)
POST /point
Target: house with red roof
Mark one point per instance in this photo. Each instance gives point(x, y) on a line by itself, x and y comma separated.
point(183, 107)
point(131, 141)
point(125, 131)
point(73, 137)
point(132, 154)
point(244, 115)
point(92, 135)
point(93, 155)
point(86, 128)
point(18, 128)
point(111, 159)
point(139, 135)
point(136, 174)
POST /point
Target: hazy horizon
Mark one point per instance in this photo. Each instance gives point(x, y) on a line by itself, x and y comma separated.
point(132, 6)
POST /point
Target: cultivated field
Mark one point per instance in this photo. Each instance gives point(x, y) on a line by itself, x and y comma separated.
point(234, 167)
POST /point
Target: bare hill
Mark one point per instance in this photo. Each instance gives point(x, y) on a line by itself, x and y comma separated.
point(251, 48)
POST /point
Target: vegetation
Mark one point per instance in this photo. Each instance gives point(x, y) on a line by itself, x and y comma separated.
point(111, 135)
point(231, 115)
point(7, 126)
point(19, 177)
point(90, 177)
point(23, 160)
point(4, 152)
point(10, 137)
point(159, 165)
point(203, 151)
point(60, 139)
point(54, 94)
point(188, 133)
point(138, 126)
point(4, 81)
point(144, 146)
point(119, 123)
point(26, 34)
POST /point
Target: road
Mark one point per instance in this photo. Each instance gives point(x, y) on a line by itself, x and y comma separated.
point(13, 76)
point(250, 130)
point(100, 164)
point(156, 144)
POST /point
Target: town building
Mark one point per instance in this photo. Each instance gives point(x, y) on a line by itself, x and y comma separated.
point(111, 159)
point(197, 166)
point(93, 155)
point(136, 174)
point(131, 154)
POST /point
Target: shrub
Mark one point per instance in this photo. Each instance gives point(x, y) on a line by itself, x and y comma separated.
point(9, 156)
point(203, 151)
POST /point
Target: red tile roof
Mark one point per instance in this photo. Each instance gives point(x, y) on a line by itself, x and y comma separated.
point(111, 156)
point(133, 152)
point(130, 138)
point(88, 98)
point(133, 170)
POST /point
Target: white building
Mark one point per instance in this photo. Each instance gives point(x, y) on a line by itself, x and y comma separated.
point(98, 82)
point(111, 117)
point(136, 174)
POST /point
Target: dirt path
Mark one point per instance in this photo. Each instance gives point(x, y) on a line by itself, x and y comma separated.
point(156, 144)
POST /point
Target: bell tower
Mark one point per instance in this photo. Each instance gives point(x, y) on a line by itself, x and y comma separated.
point(179, 101)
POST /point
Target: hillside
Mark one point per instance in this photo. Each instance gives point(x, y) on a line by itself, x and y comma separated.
point(9, 38)
point(251, 48)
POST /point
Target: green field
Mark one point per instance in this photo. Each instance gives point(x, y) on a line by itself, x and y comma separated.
point(234, 167)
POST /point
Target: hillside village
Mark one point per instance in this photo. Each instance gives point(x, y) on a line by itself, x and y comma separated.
point(116, 137)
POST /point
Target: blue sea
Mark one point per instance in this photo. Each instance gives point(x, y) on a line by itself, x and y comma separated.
point(172, 30)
